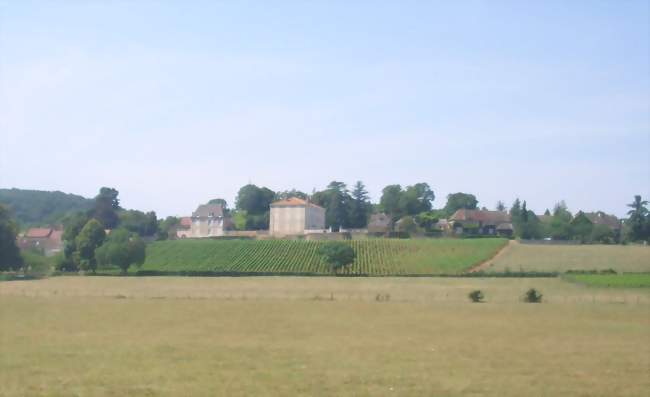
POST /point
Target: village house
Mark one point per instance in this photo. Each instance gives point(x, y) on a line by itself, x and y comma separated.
point(379, 224)
point(184, 227)
point(209, 220)
point(601, 218)
point(47, 240)
point(481, 222)
point(295, 216)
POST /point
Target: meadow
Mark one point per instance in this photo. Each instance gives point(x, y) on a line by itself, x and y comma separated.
point(376, 257)
point(323, 336)
point(628, 280)
point(561, 258)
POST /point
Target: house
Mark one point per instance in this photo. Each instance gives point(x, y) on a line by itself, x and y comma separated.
point(379, 224)
point(601, 218)
point(209, 220)
point(48, 240)
point(295, 216)
point(184, 227)
point(481, 222)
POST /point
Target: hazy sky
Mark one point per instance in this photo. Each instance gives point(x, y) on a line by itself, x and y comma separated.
point(175, 103)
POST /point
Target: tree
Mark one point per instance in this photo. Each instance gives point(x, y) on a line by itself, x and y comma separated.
point(476, 296)
point(290, 193)
point(144, 224)
point(10, 258)
point(253, 206)
point(165, 226)
point(360, 206)
point(638, 222)
point(533, 296)
point(72, 226)
point(581, 228)
point(457, 201)
point(90, 237)
point(336, 200)
point(515, 210)
point(501, 206)
point(121, 249)
point(35, 207)
point(106, 206)
point(222, 202)
point(406, 225)
point(337, 254)
point(560, 228)
point(415, 199)
point(254, 200)
point(428, 220)
point(602, 234)
point(390, 201)
point(526, 223)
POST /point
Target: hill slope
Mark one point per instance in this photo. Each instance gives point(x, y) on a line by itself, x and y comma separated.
point(378, 257)
point(37, 207)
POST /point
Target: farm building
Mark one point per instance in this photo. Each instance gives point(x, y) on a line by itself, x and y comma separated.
point(481, 222)
point(48, 240)
point(295, 216)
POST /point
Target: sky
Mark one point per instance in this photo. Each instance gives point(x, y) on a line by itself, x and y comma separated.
point(174, 103)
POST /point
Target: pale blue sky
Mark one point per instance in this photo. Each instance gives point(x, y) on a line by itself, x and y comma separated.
point(174, 103)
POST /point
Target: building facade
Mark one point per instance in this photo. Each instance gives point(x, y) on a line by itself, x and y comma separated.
point(295, 216)
point(208, 220)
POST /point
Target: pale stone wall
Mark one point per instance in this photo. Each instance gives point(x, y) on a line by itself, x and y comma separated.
point(315, 218)
point(209, 227)
point(287, 220)
point(296, 220)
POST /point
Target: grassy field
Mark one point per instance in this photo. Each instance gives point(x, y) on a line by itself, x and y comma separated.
point(274, 336)
point(629, 280)
point(560, 258)
point(374, 257)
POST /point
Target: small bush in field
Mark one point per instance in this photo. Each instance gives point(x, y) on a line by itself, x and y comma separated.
point(533, 296)
point(476, 296)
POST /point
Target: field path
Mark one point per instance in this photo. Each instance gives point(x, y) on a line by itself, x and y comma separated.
point(486, 263)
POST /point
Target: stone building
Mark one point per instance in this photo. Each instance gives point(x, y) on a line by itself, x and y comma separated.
point(209, 220)
point(295, 216)
point(481, 222)
point(48, 240)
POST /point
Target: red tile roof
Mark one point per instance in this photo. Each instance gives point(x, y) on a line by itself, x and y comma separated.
point(486, 217)
point(38, 232)
point(186, 221)
point(293, 202)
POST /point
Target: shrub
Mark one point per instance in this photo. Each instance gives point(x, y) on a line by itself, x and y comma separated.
point(476, 296)
point(337, 254)
point(533, 296)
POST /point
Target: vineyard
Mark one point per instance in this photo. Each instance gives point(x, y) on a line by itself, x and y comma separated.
point(375, 257)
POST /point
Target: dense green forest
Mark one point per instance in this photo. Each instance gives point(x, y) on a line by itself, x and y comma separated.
point(37, 207)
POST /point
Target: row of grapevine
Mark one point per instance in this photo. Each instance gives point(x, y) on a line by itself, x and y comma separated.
point(373, 257)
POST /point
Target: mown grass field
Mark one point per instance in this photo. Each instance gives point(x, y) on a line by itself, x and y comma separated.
point(628, 280)
point(283, 336)
point(378, 257)
point(561, 258)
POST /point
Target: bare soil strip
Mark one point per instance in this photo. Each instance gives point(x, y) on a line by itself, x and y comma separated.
point(486, 263)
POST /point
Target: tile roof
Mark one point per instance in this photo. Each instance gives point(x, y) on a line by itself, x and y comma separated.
point(206, 210)
point(601, 218)
point(186, 221)
point(486, 217)
point(38, 232)
point(294, 202)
